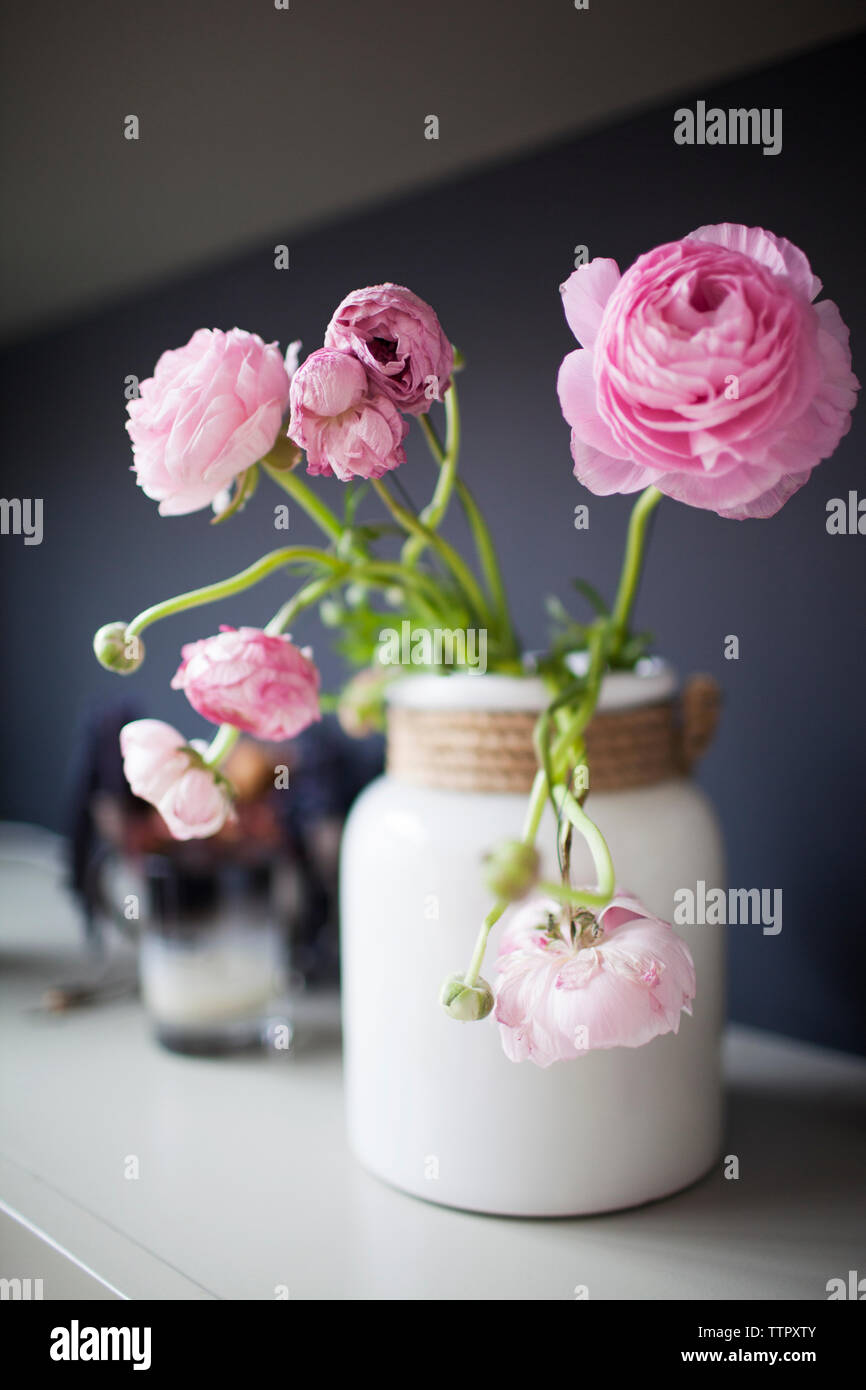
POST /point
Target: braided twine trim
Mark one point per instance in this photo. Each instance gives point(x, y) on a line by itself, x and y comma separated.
point(492, 751)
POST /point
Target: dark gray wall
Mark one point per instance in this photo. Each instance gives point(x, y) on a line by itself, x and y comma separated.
point(489, 252)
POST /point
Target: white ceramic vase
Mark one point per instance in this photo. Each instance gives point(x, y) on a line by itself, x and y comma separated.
point(434, 1106)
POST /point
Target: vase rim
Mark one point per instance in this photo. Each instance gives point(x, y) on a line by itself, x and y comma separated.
point(652, 681)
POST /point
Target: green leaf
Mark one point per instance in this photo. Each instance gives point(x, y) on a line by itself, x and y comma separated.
point(354, 494)
point(635, 646)
point(593, 597)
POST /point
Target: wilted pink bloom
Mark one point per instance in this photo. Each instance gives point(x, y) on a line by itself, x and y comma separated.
point(162, 768)
point(707, 370)
point(260, 683)
point(399, 340)
point(210, 410)
point(557, 999)
point(345, 425)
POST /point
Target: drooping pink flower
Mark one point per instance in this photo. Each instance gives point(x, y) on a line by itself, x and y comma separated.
point(162, 768)
point(706, 370)
point(557, 999)
point(196, 806)
point(260, 683)
point(345, 424)
point(152, 757)
point(210, 410)
point(400, 341)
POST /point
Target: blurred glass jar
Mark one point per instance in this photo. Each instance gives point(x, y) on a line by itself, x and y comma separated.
point(213, 955)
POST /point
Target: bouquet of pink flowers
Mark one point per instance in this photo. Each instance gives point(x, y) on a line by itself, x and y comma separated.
point(707, 373)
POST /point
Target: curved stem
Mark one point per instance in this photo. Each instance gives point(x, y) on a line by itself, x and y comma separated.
point(632, 564)
point(305, 498)
point(432, 438)
point(481, 535)
point(227, 735)
point(433, 513)
point(221, 744)
point(575, 726)
point(534, 810)
point(236, 584)
point(386, 573)
point(541, 735)
point(601, 856)
point(458, 567)
point(573, 897)
point(304, 598)
point(605, 641)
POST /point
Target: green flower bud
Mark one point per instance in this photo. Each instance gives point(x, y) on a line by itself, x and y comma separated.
point(467, 1003)
point(117, 652)
point(331, 612)
point(356, 594)
point(510, 870)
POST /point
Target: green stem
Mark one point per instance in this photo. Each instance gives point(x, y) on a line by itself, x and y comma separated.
point(304, 598)
point(305, 498)
point(221, 744)
point(574, 897)
point(489, 565)
point(605, 641)
point(535, 808)
point(481, 534)
point(534, 811)
point(632, 564)
point(541, 736)
point(236, 584)
point(461, 571)
point(388, 573)
point(601, 856)
point(432, 438)
point(435, 510)
point(607, 636)
point(574, 727)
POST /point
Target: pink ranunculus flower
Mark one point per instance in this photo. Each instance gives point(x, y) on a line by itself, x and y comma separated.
point(624, 980)
point(400, 342)
point(344, 423)
point(260, 683)
point(153, 757)
point(211, 409)
point(706, 370)
point(162, 768)
point(196, 806)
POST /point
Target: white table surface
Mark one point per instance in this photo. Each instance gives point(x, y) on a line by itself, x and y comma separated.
point(247, 1190)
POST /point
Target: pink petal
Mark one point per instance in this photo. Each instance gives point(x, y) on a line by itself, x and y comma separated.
point(584, 295)
point(780, 256)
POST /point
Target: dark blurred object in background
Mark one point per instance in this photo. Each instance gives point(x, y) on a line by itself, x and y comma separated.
point(296, 830)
